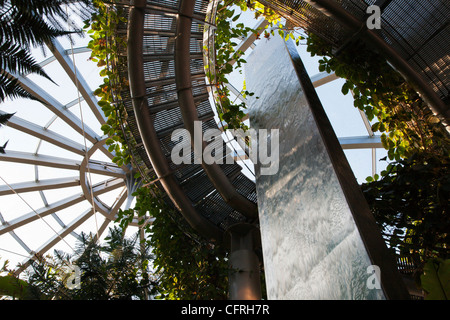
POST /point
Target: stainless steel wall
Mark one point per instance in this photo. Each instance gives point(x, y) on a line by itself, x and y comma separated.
point(311, 246)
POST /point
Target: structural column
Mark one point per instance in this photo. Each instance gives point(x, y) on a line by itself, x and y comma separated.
point(244, 277)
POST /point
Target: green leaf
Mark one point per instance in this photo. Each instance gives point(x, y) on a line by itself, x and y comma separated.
point(436, 279)
point(345, 88)
point(105, 127)
point(13, 287)
point(103, 103)
point(376, 126)
point(391, 154)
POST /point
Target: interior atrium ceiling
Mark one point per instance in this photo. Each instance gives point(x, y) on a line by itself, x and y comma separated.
point(57, 178)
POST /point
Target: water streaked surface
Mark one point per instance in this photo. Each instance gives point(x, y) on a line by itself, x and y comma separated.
point(311, 246)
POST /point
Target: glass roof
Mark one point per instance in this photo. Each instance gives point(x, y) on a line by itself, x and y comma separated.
point(42, 172)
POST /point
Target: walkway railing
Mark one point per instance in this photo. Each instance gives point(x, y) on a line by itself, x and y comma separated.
point(168, 91)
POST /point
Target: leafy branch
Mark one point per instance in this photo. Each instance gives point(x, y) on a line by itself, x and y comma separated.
point(186, 266)
point(404, 120)
point(106, 44)
point(409, 199)
point(228, 31)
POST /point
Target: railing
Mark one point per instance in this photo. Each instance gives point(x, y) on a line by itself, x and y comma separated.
point(156, 104)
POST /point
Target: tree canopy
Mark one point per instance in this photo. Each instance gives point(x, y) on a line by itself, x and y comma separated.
point(119, 269)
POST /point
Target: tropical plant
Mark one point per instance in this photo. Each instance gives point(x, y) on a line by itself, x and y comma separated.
point(106, 46)
point(410, 200)
point(25, 24)
point(11, 287)
point(120, 269)
point(403, 118)
point(186, 266)
point(436, 279)
point(4, 118)
point(411, 205)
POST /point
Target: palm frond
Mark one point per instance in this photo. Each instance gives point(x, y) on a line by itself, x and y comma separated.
point(31, 23)
point(4, 118)
point(17, 60)
point(28, 30)
point(10, 88)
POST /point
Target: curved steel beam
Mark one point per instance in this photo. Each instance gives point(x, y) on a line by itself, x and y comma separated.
point(334, 10)
point(55, 239)
point(190, 115)
point(56, 107)
point(77, 78)
point(110, 184)
point(147, 129)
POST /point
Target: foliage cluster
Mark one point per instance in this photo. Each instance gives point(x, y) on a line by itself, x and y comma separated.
point(27, 24)
point(411, 204)
point(11, 287)
point(106, 44)
point(186, 266)
point(435, 279)
point(119, 269)
point(403, 118)
point(171, 263)
point(410, 200)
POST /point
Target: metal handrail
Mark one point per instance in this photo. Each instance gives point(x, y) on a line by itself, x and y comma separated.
point(148, 133)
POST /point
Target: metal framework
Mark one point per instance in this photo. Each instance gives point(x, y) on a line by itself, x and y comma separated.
point(413, 37)
point(94, 196)
point(164, 63)
point(168, 92)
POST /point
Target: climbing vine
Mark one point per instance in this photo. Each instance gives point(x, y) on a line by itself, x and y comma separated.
point(106, 44)
point(410, 198)
point(186, 266)
point(404, 120)
point(228, 31)
point(411, 205)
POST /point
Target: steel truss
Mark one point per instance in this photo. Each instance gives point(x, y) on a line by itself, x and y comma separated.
point(83, 164)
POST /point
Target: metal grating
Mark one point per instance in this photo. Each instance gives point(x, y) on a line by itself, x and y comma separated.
point(420, 32)
point(162, 99)
point(417, 30)
point(160, 24)
point(172, 4)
